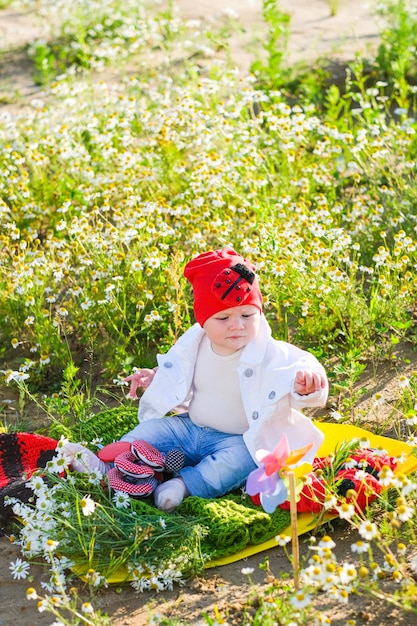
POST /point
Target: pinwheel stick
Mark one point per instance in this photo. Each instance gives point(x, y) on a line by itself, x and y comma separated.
point(294, 532)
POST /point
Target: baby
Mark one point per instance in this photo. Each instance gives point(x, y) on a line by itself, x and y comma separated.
point(241, 389)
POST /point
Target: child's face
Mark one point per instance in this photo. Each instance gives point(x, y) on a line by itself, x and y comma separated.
point(231, 329)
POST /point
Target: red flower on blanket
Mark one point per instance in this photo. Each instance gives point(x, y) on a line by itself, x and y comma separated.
point(355, 479)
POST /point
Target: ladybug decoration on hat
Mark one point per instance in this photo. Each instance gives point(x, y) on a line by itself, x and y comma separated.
point(233, 285)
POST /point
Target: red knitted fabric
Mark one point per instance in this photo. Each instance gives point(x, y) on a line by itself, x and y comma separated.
point(22, 453)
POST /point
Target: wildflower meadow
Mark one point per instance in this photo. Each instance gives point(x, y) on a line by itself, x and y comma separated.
point(109, 185)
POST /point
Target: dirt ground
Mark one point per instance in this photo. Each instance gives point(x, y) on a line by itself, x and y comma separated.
point(314, 32)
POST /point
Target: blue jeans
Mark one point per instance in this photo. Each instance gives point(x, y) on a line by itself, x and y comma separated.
point(215, 462)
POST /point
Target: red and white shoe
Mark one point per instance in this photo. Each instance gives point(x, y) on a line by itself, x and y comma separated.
point(146, 453)
point(129, 464)
point(137, 488)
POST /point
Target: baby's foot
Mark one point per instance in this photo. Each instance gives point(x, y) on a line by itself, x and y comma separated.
point(170, 494)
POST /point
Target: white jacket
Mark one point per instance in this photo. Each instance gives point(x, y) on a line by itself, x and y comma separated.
point(267, 369)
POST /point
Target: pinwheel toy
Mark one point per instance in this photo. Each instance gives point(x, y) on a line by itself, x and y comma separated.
point(269, 481)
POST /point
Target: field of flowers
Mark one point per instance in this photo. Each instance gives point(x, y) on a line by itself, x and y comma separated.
point(107, 188)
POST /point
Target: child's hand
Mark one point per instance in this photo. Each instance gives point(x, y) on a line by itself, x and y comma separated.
point(140, 378)
point(308, 382)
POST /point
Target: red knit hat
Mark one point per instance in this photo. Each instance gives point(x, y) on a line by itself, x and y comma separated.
point(221, 279)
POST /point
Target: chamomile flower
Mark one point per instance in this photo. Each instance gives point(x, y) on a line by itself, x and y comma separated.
point(42, 605)
point(88, 505)
point(59, 463)
point(360, 547)
point(121, 500)
point(94, 578)
point(282, 540)
point(31, 593)
point(368, 530)
point(326, 543)
point(404, 513)
point(37, 484)
point(330, 502)
point(95, 476)
point(87, 608)
point(339, 594)
point(347, 573)
point(50, 545)
point(300, 600)
point(19, 569)
point(346, 510)
point(386, 476)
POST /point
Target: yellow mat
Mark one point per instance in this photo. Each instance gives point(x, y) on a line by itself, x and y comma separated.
point(334, 434)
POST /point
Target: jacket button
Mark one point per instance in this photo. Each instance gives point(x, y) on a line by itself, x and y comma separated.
point(168, 364)
point(248, 372)
point(255, 415)
point(271, 395)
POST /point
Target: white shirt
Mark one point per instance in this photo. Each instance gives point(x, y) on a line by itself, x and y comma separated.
point(216, 398)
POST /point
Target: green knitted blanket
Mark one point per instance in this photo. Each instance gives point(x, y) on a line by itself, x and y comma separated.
point(231, 522)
